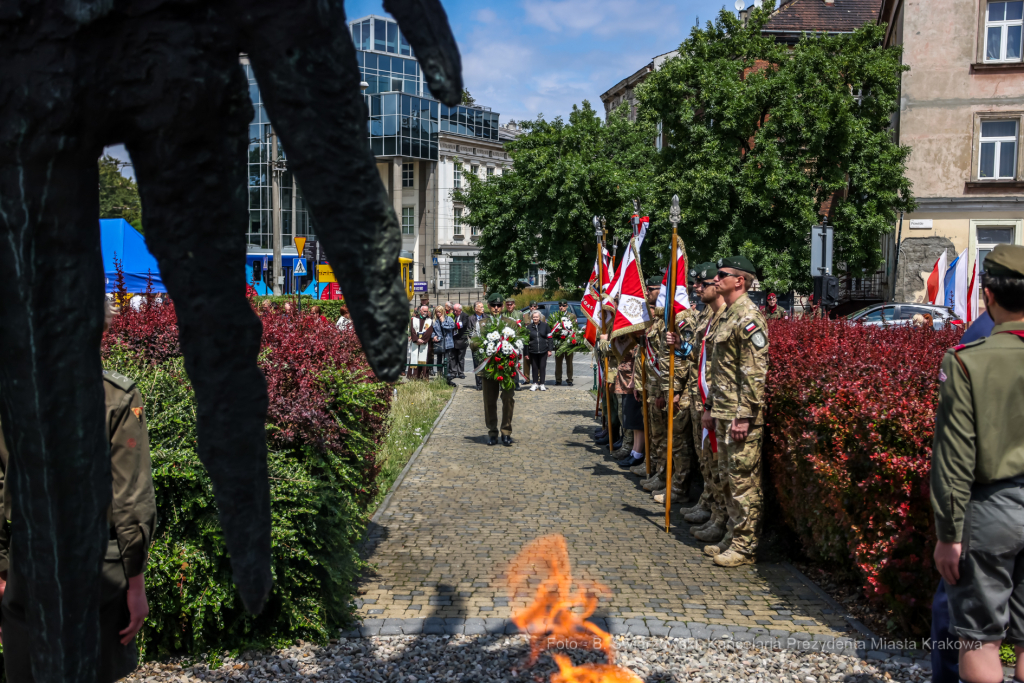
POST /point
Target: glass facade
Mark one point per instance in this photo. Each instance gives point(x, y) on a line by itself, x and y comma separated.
point(405, 119)
point(260, 231)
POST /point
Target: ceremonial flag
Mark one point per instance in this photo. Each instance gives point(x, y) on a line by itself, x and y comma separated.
point(936, 282)
point(590, 334)
point(961, 278)
point(631, 313)
point(702, 388)
point(682, 299)
point(591, 296)
point(971, 301)
point(950, 282)
point(640, 225)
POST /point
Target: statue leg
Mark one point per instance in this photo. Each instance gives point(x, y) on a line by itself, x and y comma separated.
point(191, 179)
point(306, 68)
point(51, 406)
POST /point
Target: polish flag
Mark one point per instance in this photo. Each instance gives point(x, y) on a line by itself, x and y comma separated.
point(971, 301)
point(962, 283)
point(936, 282)
point(682, 299)
point(631, 314)
point(591, 297)
point(640, 225)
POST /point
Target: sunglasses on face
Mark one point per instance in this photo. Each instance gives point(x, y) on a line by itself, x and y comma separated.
point(722, 274)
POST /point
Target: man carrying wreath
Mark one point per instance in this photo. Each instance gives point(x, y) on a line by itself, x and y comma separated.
point(498, 368)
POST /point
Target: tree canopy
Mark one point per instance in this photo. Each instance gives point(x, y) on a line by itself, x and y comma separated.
point(762, 134)
point(564, 173)
point(119, 196)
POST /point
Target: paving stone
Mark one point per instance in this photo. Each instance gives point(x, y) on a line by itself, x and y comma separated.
point(464, 510)
point(680, 632)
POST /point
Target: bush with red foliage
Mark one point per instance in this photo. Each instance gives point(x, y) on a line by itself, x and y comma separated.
point(851, 415)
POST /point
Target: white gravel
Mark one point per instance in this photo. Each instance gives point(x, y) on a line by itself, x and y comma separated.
point(486, 659)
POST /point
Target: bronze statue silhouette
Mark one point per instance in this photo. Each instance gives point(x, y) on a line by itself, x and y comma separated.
point(163, 77)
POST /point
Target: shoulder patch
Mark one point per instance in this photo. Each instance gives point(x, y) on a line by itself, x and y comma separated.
point(119, 380)
point(138, 413)
point(750, 327)
point(759, 340)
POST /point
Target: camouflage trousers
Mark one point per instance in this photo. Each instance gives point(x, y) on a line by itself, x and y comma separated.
point(740, 471)
point(682, 447)
point(712, 498)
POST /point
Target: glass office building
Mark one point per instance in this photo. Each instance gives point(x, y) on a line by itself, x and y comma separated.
point(294, 214)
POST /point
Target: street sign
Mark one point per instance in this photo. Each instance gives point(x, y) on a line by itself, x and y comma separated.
point(325, 274)
point(300, 244)
point(435, 252)
point(299, 266)
point(419, 286)
point(435, 260)
point(821, 250)
point(309, 252)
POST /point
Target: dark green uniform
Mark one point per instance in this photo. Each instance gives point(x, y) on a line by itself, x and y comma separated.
point(132, 519)
point(492, 390)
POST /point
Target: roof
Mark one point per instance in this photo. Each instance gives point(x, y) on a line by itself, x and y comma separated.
point(840, 16)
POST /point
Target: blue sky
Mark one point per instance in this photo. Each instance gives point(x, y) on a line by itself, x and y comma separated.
point(526, 57)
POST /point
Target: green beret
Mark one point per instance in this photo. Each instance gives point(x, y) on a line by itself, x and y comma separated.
point(654, 281)
point(1006, 260)
point(737, 263)
point(563, 302)
point(494, 299)
point(533, 303)
point(706, 271)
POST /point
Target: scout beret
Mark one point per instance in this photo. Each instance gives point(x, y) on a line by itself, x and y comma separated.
point(494, 298)
point(1006, 260)
point(654, 281)
point(563, 302)
point(738, 263)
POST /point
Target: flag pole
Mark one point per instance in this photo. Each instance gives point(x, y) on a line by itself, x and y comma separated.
point(670, 319)
point(643, 363)
point(604, 357)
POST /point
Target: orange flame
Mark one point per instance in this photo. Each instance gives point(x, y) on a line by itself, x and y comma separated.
point(591, 673)
point(557, 618)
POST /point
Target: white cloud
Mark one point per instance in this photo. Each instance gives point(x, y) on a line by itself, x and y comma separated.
point(486, 16)
point(600, 17)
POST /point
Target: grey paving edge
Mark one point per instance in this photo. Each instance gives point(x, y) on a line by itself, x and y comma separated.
point(873, 649)
point(850, 619)
point(401, 476)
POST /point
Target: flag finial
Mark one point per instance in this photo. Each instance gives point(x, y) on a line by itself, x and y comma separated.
point(673, 214)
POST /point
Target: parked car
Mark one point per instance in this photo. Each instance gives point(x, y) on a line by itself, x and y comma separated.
point(899, 314)
point(549, 307)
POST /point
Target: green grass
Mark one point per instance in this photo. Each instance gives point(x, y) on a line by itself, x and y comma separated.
point(413, 412)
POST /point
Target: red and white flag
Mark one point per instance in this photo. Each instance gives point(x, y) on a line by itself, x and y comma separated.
point(631, 313)
point(591, 296)
point(937, 282)
point(682, 298)
point(971, 299)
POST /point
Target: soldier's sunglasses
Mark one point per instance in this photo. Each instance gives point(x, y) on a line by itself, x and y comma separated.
point(722, 274)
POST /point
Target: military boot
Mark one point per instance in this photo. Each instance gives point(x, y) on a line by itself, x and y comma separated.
point(659, 497)
point(711, 533)
point(639, 470)
point(731, 558)
point(698, 516)
point(655, 483)
point(714, 549)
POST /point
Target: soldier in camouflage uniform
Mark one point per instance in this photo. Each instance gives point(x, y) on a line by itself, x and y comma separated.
point(735, 407)
point(656, 420)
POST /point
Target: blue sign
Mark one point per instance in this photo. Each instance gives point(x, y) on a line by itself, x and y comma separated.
point(298, 266)
point(419, 286)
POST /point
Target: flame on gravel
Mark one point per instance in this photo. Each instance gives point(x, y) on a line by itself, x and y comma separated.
point(557, 618)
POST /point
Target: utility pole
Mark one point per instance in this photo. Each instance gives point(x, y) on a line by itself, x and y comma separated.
point(276, 167)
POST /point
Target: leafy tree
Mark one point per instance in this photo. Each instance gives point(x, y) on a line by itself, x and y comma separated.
point(761, 135)
point(119, 196)
point(564, 173)
point(467, 98)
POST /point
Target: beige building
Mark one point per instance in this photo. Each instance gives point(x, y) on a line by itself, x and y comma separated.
point(962, 113)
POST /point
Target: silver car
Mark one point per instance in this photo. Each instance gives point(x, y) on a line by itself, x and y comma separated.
point(899, 314)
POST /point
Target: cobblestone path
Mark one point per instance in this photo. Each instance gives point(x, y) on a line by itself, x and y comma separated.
point(465, 509)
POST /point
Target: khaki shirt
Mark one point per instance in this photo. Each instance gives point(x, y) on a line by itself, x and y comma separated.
point(132, 511)
point(707, 325)
point(685, 328)
point(739, 363)
point(979, 433)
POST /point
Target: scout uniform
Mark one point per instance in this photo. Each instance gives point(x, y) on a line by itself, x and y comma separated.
point(492, 389)
point(977, 479)
point(132, 519)
point(570, 322)
point(739, 365)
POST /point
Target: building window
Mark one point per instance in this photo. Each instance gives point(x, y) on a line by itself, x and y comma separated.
point(988, 239)
point(474, 231)
point(463, 272)
point(407, 175)
point(1003, 26)
point(458, 176)
point(490, 172)
point(408, 220)
point(997, 159)
point(458, 221)
point(475, 170)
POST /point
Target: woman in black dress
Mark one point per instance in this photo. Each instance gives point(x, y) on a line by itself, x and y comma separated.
point(540, 348)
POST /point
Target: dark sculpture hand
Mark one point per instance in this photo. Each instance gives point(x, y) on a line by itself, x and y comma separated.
point(162, 77)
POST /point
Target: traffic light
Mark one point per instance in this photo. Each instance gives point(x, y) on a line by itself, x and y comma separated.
point(826, 291)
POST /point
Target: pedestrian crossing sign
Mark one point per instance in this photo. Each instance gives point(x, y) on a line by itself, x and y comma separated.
point(298, 266)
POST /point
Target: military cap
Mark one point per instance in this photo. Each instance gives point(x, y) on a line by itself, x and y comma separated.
point(494, 299)
point(563, 302)
point(737, 263)
point(1006, 260)
point(510, 300)
point(706, 271)
point(533, 303)
point(654, 281)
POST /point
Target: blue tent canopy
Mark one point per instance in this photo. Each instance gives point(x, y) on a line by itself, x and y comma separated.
point(118, 238)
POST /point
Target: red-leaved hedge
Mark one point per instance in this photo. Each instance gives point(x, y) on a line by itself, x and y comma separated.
point(850, 420)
